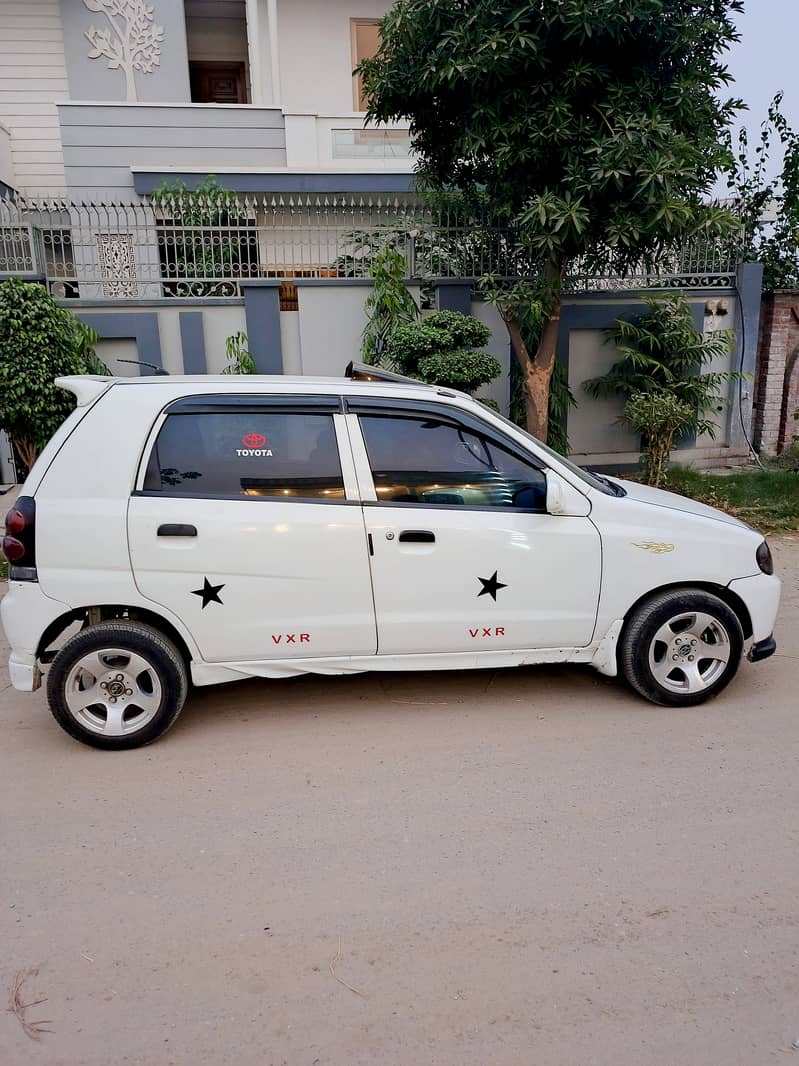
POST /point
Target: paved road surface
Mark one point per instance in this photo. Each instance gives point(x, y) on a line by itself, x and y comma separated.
point(528, 867)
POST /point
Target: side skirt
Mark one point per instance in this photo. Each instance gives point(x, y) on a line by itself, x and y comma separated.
point(218, 673)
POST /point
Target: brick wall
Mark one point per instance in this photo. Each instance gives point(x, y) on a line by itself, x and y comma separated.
point(777, 378)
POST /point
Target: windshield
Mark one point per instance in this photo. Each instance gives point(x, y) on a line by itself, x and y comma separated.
point(595, 481)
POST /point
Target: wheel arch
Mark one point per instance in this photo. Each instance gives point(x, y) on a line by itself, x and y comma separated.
point(90, 615)
point(726, 595)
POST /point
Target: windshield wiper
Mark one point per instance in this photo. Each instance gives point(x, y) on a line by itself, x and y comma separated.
point(617, 490)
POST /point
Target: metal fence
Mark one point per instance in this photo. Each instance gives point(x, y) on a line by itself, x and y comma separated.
point(189, 246)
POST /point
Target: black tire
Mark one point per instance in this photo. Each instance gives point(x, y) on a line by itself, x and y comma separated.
point(643, 654)
point(155, 696)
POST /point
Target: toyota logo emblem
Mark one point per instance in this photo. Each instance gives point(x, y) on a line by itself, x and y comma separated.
point(253, 440)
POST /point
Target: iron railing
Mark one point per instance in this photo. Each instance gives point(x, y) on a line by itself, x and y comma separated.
point(205, 247)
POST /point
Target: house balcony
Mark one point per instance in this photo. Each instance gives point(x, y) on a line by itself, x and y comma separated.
point(116, 150)
point(240, 87)
point(344, 142)
point(104, 142)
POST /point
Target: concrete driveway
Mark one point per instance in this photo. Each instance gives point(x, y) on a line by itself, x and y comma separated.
point(526, 867)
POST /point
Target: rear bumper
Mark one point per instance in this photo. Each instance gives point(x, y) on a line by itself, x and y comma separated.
point(26, 612)
point(24, 673)
point(762, 650)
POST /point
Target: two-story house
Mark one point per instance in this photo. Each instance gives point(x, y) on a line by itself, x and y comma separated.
point(104, 99)
point(104, 102)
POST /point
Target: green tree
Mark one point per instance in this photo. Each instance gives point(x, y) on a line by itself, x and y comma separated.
point(590, 127)
point(769, 207)
point(657, 416)
point(238, 355)
point(388, 305)
point(662, 353)
point(443, 349)
point(39, 341)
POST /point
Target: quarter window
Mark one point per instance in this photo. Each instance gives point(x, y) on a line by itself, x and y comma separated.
point(426, 461)
point(218, 453)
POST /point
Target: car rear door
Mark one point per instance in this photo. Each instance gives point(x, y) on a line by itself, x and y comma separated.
point(465, 557)
point(245, 523)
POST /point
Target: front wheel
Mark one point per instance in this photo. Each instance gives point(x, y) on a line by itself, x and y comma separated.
point(118, 684)
point(681, 647)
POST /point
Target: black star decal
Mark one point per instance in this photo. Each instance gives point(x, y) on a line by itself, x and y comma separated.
point(209, 592)
point(490, 586)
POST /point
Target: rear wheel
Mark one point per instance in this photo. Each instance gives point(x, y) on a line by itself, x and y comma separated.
point(118, 684)
point(681, 647)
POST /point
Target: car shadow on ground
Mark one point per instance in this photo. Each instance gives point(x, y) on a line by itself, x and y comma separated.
point(439, 694)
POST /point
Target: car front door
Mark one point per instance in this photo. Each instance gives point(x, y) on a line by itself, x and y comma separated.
point(246, 525)
point(465, 557)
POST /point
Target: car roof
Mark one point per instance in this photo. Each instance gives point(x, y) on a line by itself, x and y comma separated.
point(88, 387)
point(273, 380)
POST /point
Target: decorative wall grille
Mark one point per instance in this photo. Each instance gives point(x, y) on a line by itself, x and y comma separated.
point(117, 265)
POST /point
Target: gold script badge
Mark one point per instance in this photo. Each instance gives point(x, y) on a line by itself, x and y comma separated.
point(653, 546)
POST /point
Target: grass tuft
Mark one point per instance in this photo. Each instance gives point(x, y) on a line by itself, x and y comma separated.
point(766, 499)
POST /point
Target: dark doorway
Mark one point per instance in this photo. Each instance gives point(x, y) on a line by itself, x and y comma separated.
point(218, 83)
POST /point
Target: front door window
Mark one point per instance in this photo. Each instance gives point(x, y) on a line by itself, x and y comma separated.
point(427, 461)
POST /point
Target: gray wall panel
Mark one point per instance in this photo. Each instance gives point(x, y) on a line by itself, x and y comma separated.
point(308, 182)
point(190, 155)
point(750, 291)
point(91, 79)
point(80, 137)
point(101, 144)
point(188, 116)
point(141, 326)
point(262, 311)
point(192, 342)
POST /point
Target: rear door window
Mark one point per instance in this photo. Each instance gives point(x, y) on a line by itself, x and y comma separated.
point(278, 455)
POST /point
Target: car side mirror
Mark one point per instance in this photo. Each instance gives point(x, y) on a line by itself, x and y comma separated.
point(563, 498)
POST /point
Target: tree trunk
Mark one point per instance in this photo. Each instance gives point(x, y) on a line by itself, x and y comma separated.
point(537, 369)
point(26, 450)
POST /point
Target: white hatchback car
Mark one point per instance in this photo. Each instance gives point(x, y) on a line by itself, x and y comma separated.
point(206, 529)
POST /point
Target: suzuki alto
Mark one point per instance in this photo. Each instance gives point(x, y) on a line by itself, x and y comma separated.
point(183, 531)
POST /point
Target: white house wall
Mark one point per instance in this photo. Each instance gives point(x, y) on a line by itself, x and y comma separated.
point(316, 52)
point(331, 322)
point(721, 319)
point(593, 424)
point(219, 323)
point(332, 318)
point(499, 346)
point(6, 158)
point(33, 77)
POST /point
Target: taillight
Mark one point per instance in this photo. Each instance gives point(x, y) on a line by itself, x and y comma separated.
point(13, 549)
point(15, 522)
point(19, 543)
